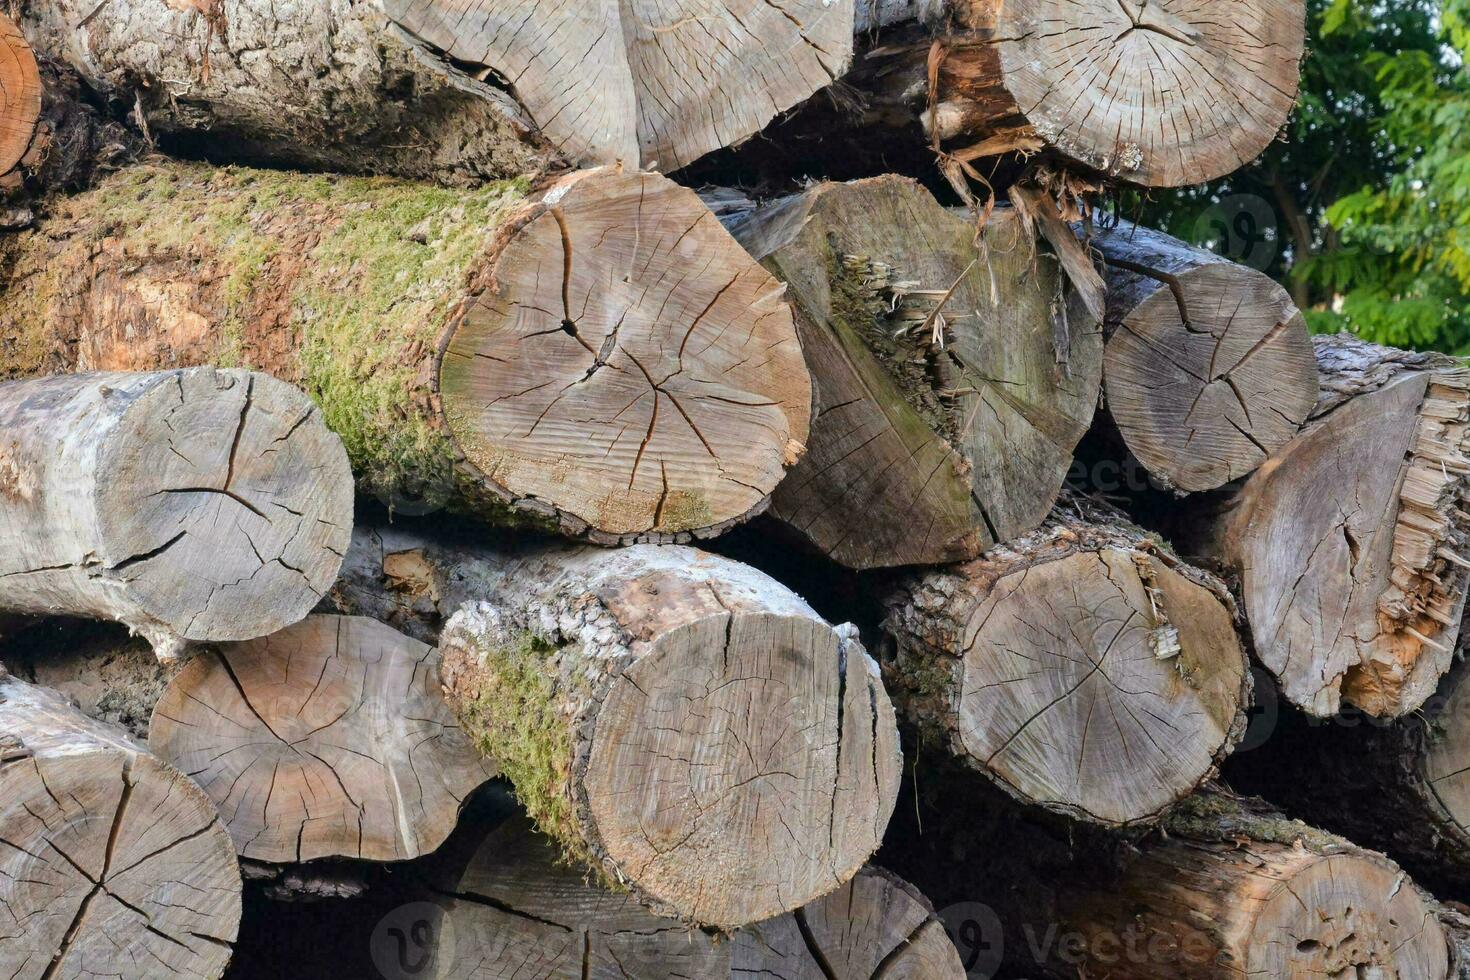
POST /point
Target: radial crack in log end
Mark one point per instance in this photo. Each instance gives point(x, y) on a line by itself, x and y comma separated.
point(1209, 369)
point(1352, 542)
point(681, 723)
point(114, 863)
point(327, 739)
point(1082, 669)
point(949, 398)
point(194, 505)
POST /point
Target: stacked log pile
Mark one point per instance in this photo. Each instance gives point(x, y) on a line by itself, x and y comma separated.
point(386, 385)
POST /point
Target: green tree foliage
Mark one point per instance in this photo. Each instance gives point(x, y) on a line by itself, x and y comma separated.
point(1371, 185)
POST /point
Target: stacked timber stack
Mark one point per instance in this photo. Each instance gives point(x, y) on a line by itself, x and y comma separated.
point(396, 378)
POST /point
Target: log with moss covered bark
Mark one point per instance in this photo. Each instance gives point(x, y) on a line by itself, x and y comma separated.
point(1083, 668)
point(680, 723)
point(1209, 368)
point(1352, 545)
point(195, 505)
point(114, 864)
point(447, 89)
point(955, 373)
point(1160, 94)
point(598, 356)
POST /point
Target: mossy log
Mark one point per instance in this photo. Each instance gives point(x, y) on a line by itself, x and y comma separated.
point(1209, 368)
point(516, 911)
point(1159, 94)
point(1401, 787)
point(114, 864)
point(599, 356)
point(955, 376)
point(1083, 668)
point(194, 505)
point(680, 723)
point(453, 90)
point(330, 739)
point(1353, 543)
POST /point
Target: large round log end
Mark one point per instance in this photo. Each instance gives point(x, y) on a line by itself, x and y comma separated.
point(627, 365)
point(20, 95)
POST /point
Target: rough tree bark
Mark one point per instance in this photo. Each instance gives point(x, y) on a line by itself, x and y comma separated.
point(327, 739)
point(955, 376)
point(601, 356)
point(1351, 543)
point(194, 505)
point(1083, 668)
point(1209, 368)
point(516, 911)
point(113, 863)
point(681, 723)
point(429, 88)
point(1157, 93)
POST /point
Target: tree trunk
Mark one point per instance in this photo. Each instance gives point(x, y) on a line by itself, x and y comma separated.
point(603, 357)
point(1401, 787)
point(681, 723)
point(1209, 368)
point(195, 505)
point(516, 911)
point(20, 96)
point(328, 739)
point(114, 864)
point(1352, 544)
point(1083, 669)
point(955, 377)
point(1160, 95)
point(419, 88)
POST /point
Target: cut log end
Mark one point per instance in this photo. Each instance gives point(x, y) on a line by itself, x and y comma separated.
point(115, 864)
point(628, 366)
point(1080, 75)
point(671, 83)
point(1209, 369)
point(744, 764)
point(328, 739)
point(228, 502)
point(1353, 544)
point(1101, 682)
point(20, 95)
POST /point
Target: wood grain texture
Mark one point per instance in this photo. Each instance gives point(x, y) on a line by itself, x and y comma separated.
point(1351, 542)
point(682, 724)
point(327, 739)
point(194, 505)
point(955, 376)
point(598, 357)
point(1162, 93)
point(114, 864)
point(652, 84)
point(1081, 669)
point(1209, 370)
point(20, 95)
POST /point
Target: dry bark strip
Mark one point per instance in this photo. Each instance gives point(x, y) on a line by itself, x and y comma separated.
point(955, 377)
point(1158, 93)
point(1082, 669)
point(1209, 368)
point(457, 90)
point(194, 505)
point(601, 356)
point(327, 739)
point(516, 912)
point(112, 864)
point(681, 723)
point(1351, 544)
